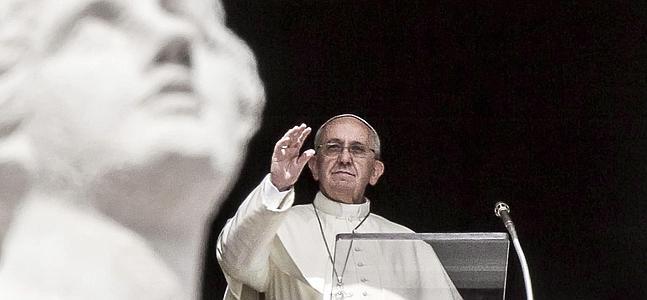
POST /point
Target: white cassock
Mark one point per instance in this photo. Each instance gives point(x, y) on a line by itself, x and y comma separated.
point(274, 247)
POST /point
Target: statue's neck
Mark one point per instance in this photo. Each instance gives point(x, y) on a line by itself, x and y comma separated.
point(77, 244)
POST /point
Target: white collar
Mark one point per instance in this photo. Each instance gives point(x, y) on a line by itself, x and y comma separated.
point(338, 209)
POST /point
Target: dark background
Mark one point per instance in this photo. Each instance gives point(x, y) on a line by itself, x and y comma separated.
point(539, 105)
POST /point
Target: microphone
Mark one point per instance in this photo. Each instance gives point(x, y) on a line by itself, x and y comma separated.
point(502, 211)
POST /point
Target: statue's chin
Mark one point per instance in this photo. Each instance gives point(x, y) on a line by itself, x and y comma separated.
point(174, 191)
point(153, 140)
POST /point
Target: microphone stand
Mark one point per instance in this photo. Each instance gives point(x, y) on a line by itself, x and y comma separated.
point(502, 211)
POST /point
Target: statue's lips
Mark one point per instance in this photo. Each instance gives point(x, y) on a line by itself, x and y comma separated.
point(173, 93)
point(177, 86)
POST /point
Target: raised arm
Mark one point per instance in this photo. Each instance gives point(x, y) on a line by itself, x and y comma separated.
point(243, 247)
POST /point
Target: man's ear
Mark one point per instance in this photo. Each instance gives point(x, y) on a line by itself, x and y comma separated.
point(378, 170)
point(312, 165)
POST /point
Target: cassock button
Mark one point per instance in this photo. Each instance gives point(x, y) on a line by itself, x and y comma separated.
point(358, 249)
point(364, 280)
point(360, 264)
point(364, 293)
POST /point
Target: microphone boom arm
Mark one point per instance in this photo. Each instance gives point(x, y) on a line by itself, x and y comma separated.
point(502, 211)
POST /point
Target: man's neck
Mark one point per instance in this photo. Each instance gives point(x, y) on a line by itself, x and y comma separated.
point(344, 198)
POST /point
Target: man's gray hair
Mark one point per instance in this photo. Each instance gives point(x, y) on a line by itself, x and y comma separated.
point(375, 138)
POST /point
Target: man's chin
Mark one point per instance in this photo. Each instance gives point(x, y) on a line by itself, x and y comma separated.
point(342, 187)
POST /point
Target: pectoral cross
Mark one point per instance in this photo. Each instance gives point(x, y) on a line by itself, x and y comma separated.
point(340, 291)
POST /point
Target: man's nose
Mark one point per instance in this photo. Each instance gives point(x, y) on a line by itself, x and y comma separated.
point(345, 156)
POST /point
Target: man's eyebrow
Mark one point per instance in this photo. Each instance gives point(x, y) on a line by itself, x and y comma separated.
point(334, 140)
point(339, 141)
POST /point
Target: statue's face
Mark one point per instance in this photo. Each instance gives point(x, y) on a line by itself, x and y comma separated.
point(126, 84)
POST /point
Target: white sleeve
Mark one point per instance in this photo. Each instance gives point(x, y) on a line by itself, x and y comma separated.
point(273, 199)
point(243, 247)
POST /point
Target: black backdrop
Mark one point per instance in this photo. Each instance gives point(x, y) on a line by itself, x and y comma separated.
point(539, 105)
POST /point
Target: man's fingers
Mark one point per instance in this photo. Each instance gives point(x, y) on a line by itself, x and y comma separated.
point(288, 135)
point(295, 132)
point(283, 143)
point(305, 157)
point(304, 134)
point(293, 138)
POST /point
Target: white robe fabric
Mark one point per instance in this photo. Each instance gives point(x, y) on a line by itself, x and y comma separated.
point(276, 248)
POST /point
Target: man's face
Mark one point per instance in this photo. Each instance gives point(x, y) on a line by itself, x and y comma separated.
point(344, 177)
point(119, 83)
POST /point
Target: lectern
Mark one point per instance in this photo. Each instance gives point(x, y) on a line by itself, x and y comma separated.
point(417, 266)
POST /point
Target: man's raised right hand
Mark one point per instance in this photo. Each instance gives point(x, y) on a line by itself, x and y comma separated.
point(287, 164)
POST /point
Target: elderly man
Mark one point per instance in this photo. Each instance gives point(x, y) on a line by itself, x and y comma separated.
point(286, 251)
point(139, 114)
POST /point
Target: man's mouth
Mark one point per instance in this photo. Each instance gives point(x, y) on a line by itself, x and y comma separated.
point(343, 172)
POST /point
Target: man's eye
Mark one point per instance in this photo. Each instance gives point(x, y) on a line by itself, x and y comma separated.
point(357, 149)
point(334, 147)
